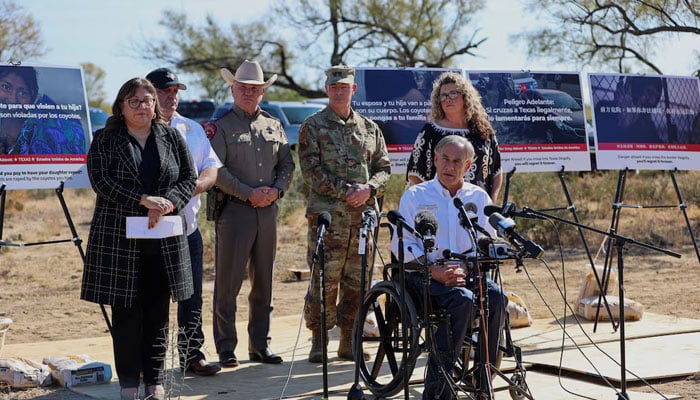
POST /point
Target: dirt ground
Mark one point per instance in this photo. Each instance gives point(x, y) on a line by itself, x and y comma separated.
point(39, 285)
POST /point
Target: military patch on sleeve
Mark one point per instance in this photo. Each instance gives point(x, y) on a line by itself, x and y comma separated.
point(210, 130)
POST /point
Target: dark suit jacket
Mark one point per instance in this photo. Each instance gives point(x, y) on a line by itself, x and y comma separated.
point(112, 261)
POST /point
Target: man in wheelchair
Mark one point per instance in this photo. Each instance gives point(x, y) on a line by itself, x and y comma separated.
point(450, 288)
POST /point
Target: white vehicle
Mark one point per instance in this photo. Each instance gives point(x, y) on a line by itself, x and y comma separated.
point(523, 81)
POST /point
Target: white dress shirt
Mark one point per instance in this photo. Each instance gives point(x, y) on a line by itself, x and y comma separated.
point(203, 157)
point(433, 197)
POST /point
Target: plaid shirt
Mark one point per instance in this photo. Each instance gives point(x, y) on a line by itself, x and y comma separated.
point(112, 261)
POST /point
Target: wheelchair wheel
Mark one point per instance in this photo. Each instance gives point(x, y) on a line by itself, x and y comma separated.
point(383, 373)
point(519, 382)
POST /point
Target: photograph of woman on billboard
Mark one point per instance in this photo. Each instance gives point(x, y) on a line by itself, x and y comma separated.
point(32, 130)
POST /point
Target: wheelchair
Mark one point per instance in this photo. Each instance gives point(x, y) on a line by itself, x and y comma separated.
point(405, 321)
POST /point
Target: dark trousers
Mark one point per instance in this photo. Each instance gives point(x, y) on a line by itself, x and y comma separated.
point(460, 305)
point(190, 337)
point(140, 333)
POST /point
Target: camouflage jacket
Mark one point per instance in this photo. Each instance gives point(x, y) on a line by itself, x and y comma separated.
point(335, 154)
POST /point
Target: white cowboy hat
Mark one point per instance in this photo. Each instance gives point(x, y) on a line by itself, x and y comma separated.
point(249, 73)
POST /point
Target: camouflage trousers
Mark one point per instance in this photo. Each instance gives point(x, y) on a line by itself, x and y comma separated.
point(343, 271)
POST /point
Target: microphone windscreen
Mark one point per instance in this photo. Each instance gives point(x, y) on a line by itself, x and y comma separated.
point(457, 202)
point(447, 253)
point(501, 223)
point(471, 207)
point(324, 219)
point(426, 221)
point(494, 220)
point(394, 216)
point(490, 209)
point(483, 243)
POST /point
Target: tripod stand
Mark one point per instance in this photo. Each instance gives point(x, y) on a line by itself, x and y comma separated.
point(75, 238)
point(485, 367)
point(324, 221)
point(368, 224)
point(619, 242)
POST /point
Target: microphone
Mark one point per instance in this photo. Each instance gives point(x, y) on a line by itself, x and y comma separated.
point(492, 248)
point(468, 219)
point(509, 211)
point(324, 221)
point(397, 219)
point(505, 227)
point(447, 253)
point(369, 221)
point(484, 243)
point(426, 224)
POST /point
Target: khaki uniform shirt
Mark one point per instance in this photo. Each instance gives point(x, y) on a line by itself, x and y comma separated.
point(334, 154)
point(254, 150)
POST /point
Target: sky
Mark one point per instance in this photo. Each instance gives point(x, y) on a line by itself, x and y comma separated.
point(103, 32)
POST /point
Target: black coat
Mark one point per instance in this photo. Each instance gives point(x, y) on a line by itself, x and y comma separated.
point(112, 261)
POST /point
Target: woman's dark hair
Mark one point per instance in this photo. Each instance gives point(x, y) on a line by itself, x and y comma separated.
point(28, 75)
point(116, 121)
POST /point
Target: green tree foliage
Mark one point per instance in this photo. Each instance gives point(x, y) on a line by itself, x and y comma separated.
point(622, 34)
point(203, 50)
point(301, 38)
point(95, 86)
point(20, 34)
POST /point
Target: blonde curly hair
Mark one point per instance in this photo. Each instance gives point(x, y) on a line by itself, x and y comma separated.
point(475, 116)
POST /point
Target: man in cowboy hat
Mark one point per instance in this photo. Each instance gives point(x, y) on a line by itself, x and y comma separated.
point(345, 162)
point(257, 170)
point(206, 164)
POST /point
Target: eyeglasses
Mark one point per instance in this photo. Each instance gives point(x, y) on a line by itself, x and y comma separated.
point(136, 103)
point(450, 95)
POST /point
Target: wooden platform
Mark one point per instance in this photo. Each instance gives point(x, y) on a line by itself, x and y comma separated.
point(657, 346)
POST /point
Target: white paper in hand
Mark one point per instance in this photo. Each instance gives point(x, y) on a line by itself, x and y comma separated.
point(137, 227)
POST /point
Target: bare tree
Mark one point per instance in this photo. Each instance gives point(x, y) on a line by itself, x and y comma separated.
point(624, 34)
point(94, 77)
point(307, 36)
point(20, 34)
point(409, 33)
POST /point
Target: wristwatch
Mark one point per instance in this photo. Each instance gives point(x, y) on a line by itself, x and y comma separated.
point(372, 191)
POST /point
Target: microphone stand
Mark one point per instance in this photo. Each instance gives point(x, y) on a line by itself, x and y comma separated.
point(485, 387)
point(402, 285)
point(620, 242)
point(319, 256)
point(355, 392)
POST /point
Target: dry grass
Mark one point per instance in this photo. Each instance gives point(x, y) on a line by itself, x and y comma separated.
point(42, 283)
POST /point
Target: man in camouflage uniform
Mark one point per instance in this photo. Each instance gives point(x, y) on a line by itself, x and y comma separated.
point(345, 163)
point(257, 169)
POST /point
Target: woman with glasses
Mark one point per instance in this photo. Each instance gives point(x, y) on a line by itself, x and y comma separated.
point(456, 110)
point(139, 167)
point(34, 135)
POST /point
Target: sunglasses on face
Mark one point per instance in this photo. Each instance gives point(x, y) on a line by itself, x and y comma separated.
point(449, 95)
